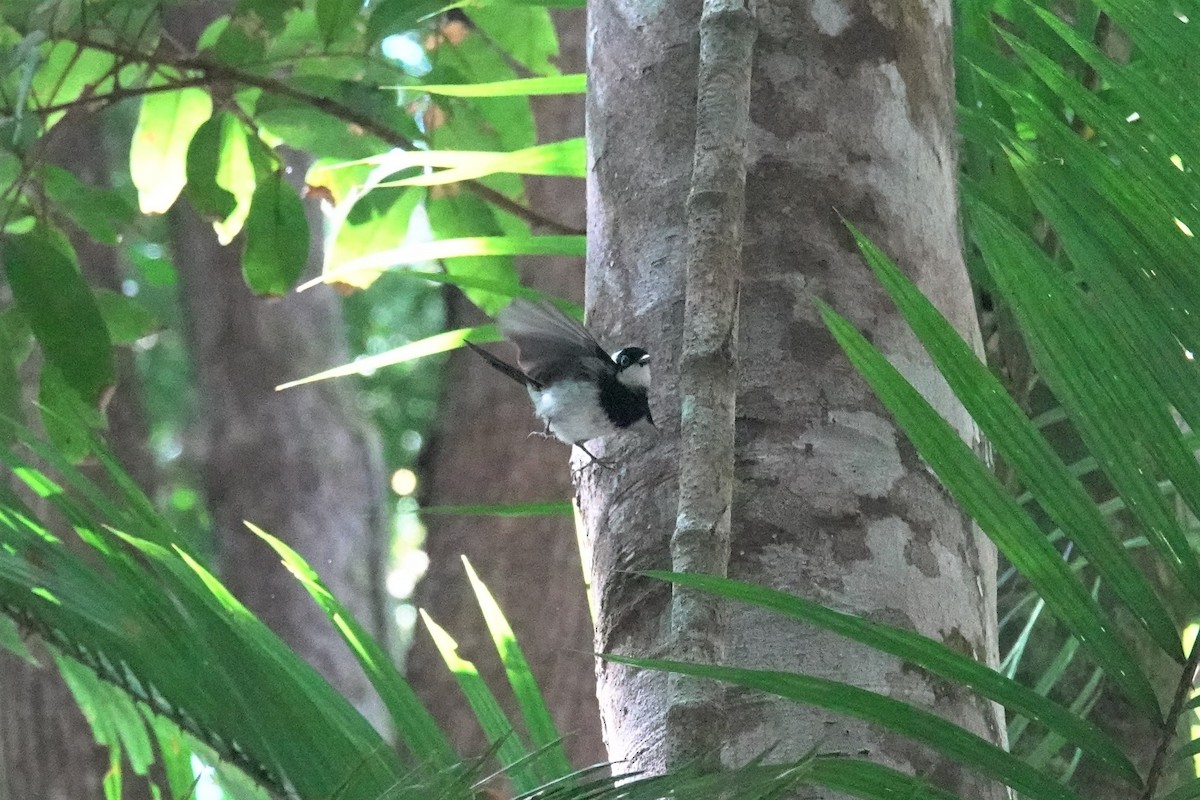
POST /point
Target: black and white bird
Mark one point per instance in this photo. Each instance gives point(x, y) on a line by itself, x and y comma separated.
point(578, 389)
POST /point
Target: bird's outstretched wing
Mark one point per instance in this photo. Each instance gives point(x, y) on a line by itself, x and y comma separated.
point(550, 345)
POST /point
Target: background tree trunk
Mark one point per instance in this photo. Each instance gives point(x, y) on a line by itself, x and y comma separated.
point(852, 111)
point(482, 454)
point(299, 463)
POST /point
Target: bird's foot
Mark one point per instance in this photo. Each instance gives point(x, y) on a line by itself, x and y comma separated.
point(594, 460)
point(544, 433)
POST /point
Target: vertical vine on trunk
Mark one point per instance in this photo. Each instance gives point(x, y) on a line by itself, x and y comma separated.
point(708, 374)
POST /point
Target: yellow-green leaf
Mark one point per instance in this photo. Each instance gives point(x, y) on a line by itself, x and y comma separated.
point(520, 87)
point(158, 155)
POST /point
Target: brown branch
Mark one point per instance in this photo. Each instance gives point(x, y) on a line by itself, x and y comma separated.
point(1187, 680)
point(526, 213)
point(117, 95)
point(216, 72)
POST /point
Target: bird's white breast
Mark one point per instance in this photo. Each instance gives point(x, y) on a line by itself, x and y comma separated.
point(572, 410)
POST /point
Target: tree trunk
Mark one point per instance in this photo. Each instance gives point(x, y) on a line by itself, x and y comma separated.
point(852, 112)
point(482, 454)
point(298, 463)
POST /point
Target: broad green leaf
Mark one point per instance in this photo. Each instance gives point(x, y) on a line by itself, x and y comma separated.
point(158, 153)
point(153, 263)
point(102, 213)
point(235, 174)
point(1024, 450)
point(299, 40)
point(270, 14)
point(509, 748)
point(928, 654)
point(10, 171)
point(19, 61)
point(335, 16)
point(68, 70)
point(204, 156)
point(550, 756)
point(525, 33)
point(304, 127)
point(375, 223)
point(548, 508)
point(18, 333)
point(922, 726)
point(414, 726)
point(431, 345)
point(1015, 534)
point(51, 294)
point(126, 318)
point(363, 119)
point(241, 40)
point(11, 411)
point(459, 215)
point(276, 238)
point(69, 422)
point(482, 123)
point(575, 83)
point(390, 17)
point(356, 270)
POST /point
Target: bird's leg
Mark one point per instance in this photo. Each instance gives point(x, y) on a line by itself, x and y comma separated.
point(600, 461)
point(545, 433)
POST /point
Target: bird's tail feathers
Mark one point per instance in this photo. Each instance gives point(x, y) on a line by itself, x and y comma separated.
point(504, 367)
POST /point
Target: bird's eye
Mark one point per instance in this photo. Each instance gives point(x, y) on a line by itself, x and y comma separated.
point(624, 360)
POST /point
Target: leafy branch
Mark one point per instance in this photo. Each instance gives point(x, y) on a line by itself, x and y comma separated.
point(208, 72)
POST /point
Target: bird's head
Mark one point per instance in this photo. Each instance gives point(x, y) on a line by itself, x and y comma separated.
point(633, 368)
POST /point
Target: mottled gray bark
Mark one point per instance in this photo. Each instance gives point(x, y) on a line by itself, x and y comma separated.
point(482, 453)
point(852, 111)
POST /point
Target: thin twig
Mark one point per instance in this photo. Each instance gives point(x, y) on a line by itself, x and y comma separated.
point(216, 72)
point(90, 101)
point(1187, 680)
